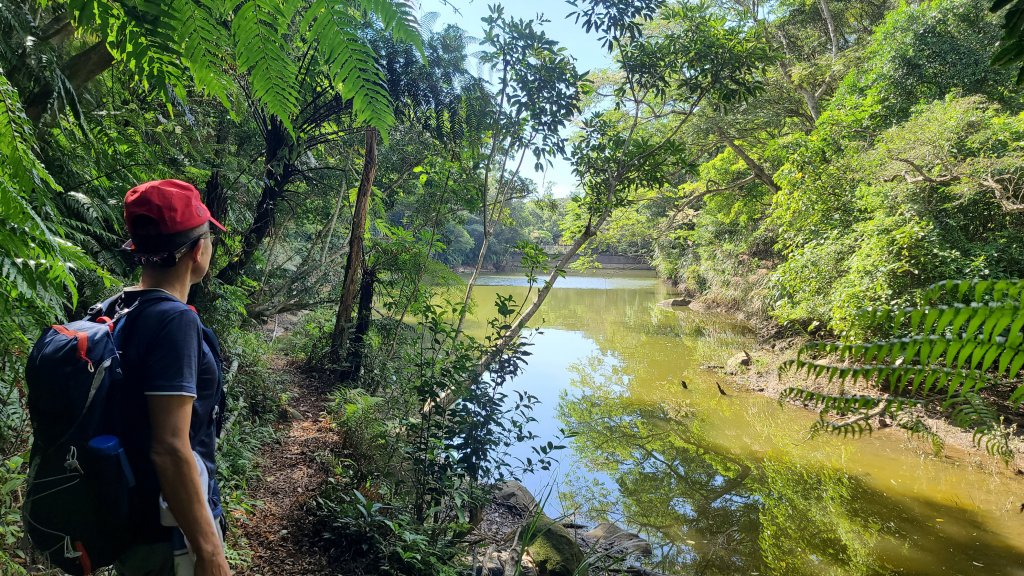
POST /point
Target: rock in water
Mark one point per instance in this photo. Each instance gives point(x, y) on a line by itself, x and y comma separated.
point(553, 550)
point(617, 542)
point(675, 302)
point(741, 360)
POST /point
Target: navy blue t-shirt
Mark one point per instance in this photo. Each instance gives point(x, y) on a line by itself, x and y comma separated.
point(164, 352)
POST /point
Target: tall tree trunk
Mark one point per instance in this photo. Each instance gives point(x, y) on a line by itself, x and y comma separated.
point(357, 347)
point(759, 171)
point(279, 153)
point(79, 69)
point(354, 263)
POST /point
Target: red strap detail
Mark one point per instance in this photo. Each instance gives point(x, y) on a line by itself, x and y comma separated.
point(107, 321)
point(84, 559)
point(83, 345)
point(82, 337)
point(192, 308)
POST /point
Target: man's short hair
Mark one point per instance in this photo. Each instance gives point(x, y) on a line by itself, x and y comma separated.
point(152, 247)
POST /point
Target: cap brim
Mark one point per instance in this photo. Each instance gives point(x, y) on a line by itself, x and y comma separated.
point(218, 224)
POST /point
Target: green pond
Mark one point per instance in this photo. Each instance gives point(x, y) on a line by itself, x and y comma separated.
point(735, 484)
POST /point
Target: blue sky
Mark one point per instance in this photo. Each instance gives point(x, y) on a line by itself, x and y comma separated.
point(584, 47)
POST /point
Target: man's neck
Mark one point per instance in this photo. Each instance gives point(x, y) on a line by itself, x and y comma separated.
point(176, 285)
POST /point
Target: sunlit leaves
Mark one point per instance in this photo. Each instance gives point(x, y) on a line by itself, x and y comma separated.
point(36, 262)
point(615, 21)
point(349, 62)
point(167, 45)
point(538, 85)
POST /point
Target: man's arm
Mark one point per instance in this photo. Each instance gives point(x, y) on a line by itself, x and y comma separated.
point(170, 417)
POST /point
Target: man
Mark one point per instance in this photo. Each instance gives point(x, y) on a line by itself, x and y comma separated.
point(172, 401)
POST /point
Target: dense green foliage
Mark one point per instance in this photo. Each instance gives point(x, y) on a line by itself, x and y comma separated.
point(896, 171)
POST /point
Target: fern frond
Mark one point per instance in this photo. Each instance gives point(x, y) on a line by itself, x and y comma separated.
point(261, 29)
point(916, 427)
point(398, 18)
point(350, 63)
point(847, 404)
point(975, 290)
point(984, 353)
point(965, 336)
point(141, 35)
point(36, 261)
point(205, 44)
point(853, 429)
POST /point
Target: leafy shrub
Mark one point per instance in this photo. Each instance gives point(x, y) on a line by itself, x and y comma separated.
point(368, 537)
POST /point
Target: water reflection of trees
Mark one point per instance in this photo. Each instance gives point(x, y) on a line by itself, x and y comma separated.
point(707, 510)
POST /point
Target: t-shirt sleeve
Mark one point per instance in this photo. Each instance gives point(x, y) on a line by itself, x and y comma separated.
point(171, 364)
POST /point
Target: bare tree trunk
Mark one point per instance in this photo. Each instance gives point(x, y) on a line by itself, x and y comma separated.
point(354, 263)
point(810, 98)
point(279, 153)
point(833, 35)
point(357, 348)
point(759, 172)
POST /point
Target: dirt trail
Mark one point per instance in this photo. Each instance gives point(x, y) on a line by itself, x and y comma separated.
point(292, 472)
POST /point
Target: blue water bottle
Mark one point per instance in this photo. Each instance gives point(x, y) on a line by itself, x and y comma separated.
point(111, 477)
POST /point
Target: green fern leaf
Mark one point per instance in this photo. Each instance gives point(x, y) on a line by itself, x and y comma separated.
point(261, 30)
point(398, 18)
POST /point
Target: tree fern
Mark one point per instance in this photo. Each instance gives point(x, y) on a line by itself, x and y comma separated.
point(205, 42)
point(398, 17)
point(261, 31)
point(167, 45)
point(142, 36)
point(963, 343)
point(350, 63)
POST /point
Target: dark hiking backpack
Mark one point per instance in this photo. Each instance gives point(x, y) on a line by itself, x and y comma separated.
point(76, 509)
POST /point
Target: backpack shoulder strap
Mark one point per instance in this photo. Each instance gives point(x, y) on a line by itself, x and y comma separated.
point(103, 309)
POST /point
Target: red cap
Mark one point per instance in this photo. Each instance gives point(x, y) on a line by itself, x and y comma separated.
point(175, 205)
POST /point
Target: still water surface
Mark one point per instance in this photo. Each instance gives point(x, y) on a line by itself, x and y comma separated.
point(734, 484)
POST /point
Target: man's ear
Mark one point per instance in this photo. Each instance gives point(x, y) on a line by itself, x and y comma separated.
point(197, 252)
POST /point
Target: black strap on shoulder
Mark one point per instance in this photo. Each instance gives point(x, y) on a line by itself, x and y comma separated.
point(103, 308)
point(110, 307)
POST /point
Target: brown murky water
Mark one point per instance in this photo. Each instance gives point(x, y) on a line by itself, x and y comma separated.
point(734, 484)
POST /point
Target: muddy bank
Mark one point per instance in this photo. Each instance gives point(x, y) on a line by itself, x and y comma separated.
point(775, 346)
